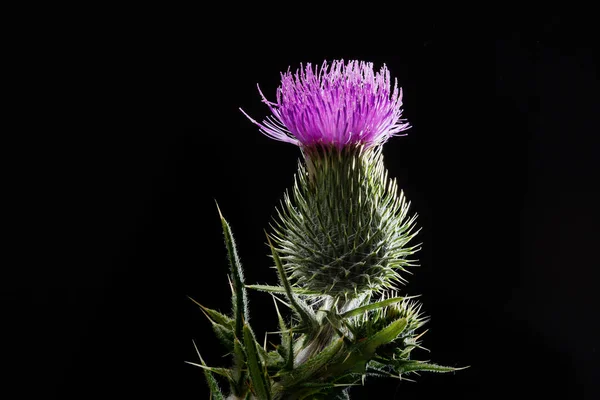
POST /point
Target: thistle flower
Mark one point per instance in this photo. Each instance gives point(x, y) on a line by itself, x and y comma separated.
point(344, 229)
point(337, 105)
point(339, 246)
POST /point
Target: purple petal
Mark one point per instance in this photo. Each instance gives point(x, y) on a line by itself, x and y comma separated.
point(339, 104)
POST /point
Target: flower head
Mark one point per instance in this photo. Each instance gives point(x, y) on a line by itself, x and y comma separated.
point(338, 105)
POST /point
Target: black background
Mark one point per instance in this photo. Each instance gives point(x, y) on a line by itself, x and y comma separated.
point(501, 165)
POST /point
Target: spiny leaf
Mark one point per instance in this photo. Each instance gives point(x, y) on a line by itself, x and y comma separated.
point(213, 385)
point(219, 371)
point(222, 325)
point(281, 289)
point(301, 309)
point(324, 391)
point(225, 336)
point(255, 368)
point(240, 303)
point(215, 391)
point(238, 370)
point(386, 335)
point(286, 341)
point(362, 352)
point(214, 315)
point(328, 385)
point(274, 360)
point(373, 306)
point(413, 366)
point(313, 365)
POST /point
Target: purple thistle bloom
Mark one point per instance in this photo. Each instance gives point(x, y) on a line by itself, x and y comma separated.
point(339, 104)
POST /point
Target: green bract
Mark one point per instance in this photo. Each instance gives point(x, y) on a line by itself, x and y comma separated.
point(344, 230)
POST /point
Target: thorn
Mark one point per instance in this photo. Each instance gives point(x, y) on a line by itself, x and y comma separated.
point(278, 332)
point(219, 210)
point(198, 352)
point(421, 334)
point(406, 379)
point(422, 348)
point(206, 315)
point(194, 301)
point(349, 353)
point(194, 364)
point(275, 302)
point(230, 284)
point(282, 302)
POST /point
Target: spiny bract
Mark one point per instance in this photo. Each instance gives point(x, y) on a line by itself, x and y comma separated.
point(344, 230)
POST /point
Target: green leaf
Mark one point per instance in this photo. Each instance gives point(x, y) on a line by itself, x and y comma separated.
point(281, 289)
point(213, 385)
point(364, 350)
point(313, 365)
point(328, 385)
point(286, 341)
point(255, 368)
point(324, 391)
point(215, 391)
point(240, 301)
point(373, 306)
point(386, 335)
point(274, 360)
point(303, 311)
point(214, 315)
point(413, 366)
point(238, 371)
point(219, 371)
point(225, 336)
point(222, 325)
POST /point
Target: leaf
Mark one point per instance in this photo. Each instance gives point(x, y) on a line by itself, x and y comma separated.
point(214, 315)
point(309, 390)
point(256, 370)
point(240, 300)
point(373, 306)
point(413, 366)
point(386, 335)
point(313, 365)
point(274, 360)
point(281, 289)
point(225, 336)
point(219, 371)
point(363, 351)
point(222, 325)
point(303, 311)
point(215, 391)
point(238, 371)
point(213, 385)
point(286, 341)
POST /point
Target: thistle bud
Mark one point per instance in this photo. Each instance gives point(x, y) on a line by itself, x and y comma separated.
point(344, 229)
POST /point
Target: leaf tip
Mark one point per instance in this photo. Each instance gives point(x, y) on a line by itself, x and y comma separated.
point(218, 209)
